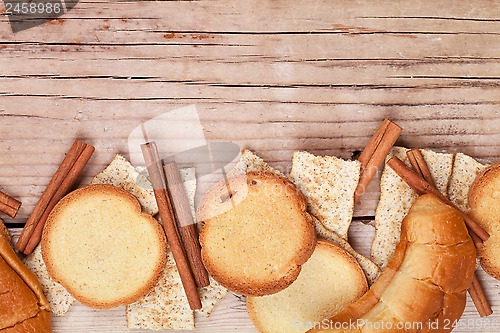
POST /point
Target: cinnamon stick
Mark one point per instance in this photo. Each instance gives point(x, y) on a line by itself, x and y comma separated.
point(479, 298)
point(421, 186)
point(476, 291)
point(157, 178)
point(420, 166)
point(186, 223)
point(9, 205)
point(61, 183)
point(374, 154)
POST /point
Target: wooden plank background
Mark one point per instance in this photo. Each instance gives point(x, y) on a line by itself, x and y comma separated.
point(272, 76)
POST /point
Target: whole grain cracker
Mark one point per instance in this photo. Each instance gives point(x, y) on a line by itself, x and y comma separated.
point(329, 183)
point(396, 198)
point(165, 306)
point(250, 162)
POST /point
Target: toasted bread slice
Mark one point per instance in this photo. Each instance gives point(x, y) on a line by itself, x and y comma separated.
point(328, 182)
point(256, 233)
point(484, 202)
point(329, 281)
point(100, 246)
point(396, 198)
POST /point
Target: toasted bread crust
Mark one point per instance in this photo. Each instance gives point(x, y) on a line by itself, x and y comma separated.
point(217, 213)
point(54, 221)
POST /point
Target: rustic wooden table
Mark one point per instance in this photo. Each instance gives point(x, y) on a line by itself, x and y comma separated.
point(272, 76)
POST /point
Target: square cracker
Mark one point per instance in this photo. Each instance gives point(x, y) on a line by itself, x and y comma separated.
point(329, 183)
point(396, 198)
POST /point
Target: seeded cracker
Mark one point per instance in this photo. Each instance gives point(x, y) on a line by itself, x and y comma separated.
point(249, 162)
point(328, 182)
point(396, 198)
point(465, 171)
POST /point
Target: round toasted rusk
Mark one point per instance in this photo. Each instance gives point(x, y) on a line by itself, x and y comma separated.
point(255, 238)
point(100, 246)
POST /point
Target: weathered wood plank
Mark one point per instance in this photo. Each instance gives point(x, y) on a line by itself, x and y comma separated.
point(269, 76)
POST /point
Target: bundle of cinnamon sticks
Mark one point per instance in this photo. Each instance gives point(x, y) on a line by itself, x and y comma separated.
point(180, 229)
point(421, 181)
point(60, 184)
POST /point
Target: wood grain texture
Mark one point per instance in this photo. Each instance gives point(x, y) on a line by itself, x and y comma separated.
point(272, 77)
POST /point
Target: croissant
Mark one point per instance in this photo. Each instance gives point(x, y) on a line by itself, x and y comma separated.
point(423, 288)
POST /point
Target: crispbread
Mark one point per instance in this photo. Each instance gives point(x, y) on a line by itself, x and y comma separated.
point(328, 182)
point(372, 271)
point(255, 239)
point(117, 252)
point(397, 197)
point(484, 202)
point(59, 298)
point(329, 281)
point(133, 180)
point(465, 171)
